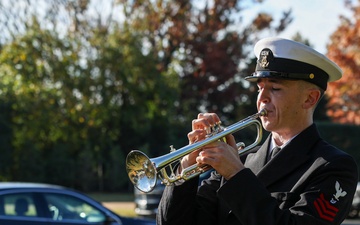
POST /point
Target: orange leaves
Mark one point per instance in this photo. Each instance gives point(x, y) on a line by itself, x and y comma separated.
point(344, 49)
point(262, 21)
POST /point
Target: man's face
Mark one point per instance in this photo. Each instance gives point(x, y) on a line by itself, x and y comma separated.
point(283, 100)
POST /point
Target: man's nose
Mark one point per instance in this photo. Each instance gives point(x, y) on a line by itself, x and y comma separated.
point(263, 96)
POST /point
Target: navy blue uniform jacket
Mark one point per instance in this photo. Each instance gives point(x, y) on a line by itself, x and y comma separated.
point(308, 182)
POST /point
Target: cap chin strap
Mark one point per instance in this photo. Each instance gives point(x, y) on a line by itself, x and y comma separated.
point(309, 77)
point(283, 75)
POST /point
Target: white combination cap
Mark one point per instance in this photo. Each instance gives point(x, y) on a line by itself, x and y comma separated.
point(287, 59)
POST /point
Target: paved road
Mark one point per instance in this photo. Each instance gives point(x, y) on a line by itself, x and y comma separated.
point(348, 222)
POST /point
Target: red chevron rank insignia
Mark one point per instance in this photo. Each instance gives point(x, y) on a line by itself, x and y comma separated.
point(325, 210)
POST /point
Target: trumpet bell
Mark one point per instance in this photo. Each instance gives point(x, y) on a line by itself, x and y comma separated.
point(141, 171)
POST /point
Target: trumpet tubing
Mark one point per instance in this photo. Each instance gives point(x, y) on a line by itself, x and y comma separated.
point(143, 171)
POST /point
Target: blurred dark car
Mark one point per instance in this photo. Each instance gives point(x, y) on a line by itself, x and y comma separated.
point(42, 204)
point(355, 207)
point(146, 204)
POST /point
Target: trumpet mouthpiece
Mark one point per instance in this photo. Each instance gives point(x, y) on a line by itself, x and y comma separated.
point(262, 112)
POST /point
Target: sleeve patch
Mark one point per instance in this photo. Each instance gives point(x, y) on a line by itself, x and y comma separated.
point(325, 210)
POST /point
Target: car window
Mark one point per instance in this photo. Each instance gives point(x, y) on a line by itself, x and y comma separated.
point(18, 205)
point(69, 208)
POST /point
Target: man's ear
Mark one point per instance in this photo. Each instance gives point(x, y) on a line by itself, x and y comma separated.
point(312, 99)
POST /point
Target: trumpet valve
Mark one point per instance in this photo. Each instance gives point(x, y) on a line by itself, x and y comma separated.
point(172, 149)
point(214, 129)
point(218, 128)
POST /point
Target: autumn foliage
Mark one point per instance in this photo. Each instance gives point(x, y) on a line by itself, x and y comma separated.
point(344, 49)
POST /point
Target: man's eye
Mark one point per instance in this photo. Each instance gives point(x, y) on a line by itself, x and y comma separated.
point(275, 89)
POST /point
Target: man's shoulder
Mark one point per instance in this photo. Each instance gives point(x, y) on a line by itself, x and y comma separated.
point(330, 152)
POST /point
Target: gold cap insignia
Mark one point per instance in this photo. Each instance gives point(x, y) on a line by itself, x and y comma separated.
point(265, 57)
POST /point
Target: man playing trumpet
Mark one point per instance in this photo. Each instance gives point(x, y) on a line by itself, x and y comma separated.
point(295, 177)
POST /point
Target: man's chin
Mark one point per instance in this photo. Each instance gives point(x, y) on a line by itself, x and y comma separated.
point(267, 125)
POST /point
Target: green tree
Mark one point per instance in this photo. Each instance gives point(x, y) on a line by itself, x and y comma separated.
point(81, 104)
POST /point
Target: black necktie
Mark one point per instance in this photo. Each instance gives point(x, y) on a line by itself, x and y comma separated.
point(273, 152)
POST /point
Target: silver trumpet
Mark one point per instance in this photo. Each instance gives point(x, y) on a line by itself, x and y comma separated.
point(143, 171)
